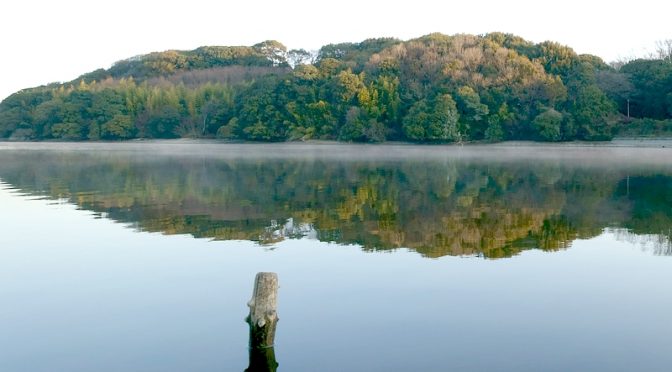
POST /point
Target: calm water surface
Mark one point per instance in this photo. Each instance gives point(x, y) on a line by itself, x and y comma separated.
point(141, 256)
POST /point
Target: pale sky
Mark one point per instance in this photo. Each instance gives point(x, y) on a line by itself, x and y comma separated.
point(45, 41)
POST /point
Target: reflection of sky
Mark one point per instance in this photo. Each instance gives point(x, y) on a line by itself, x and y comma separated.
point(80, 294)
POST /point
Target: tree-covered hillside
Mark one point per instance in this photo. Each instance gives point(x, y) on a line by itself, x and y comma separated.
point(436, 88)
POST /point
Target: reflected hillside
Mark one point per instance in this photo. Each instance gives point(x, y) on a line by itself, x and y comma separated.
point(438, 203)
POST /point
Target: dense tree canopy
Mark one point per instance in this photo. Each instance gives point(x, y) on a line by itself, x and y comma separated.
point(436, 88)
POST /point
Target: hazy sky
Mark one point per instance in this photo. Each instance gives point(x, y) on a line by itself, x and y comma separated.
point(44, 41)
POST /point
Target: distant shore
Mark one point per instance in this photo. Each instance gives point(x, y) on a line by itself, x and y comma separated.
point(664, 142)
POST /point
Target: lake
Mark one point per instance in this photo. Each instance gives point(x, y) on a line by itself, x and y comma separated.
point(140, 256)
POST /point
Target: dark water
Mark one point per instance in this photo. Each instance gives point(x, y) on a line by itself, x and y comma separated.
point(390, 258)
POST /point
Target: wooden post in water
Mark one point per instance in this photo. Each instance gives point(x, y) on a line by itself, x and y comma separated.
point(263, 319)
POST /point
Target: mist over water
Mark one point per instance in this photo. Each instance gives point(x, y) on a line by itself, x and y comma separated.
point(630, 151)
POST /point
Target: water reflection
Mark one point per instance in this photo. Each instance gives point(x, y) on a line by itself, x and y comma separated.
point(438, 203)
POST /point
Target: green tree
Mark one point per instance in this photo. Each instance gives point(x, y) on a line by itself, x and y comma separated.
point(68, 131)
point(297, 57)
point(652, 80)
point(262, 115)
point(360, 127)
point(355, 122)
point(164, 123)
point(548, 125)
point(473, 113)
point(594, 114)
point(119, 127)
point(274, 51)
point(230, 130)
point(433, 120)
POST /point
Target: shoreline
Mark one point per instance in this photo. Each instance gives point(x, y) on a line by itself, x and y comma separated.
point(663, 142)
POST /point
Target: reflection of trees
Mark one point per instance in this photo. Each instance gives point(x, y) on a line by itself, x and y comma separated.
point(658, 244)
point(650, 199)
point(436, 207)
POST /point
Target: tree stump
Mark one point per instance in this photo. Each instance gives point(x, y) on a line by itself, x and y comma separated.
point(262, 360)
point(263, 319)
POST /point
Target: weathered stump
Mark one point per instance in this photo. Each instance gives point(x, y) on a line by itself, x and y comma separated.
point(263, 319)
point(262, 360)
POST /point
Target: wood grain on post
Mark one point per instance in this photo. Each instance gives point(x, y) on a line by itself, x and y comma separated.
point(263, 311)
point(262, 320)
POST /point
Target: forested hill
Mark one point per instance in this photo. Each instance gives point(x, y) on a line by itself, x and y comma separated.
point(436, 88)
